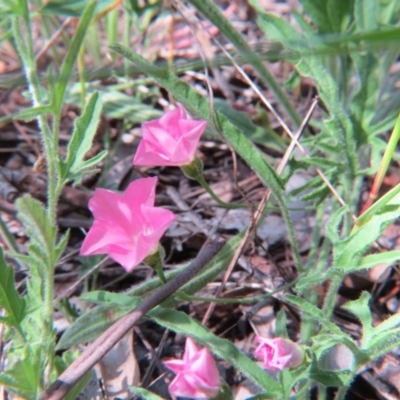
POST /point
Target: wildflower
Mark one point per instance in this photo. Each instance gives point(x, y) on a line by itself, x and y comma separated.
point(197, 375)
point(126, 225)
point(170, 140)
point(278, 354)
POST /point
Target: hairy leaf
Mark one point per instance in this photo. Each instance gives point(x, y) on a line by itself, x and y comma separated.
point(85, 128)
point(10, 300)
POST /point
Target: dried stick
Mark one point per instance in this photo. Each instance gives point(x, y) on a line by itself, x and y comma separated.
point(99, 348)
point(259, 211)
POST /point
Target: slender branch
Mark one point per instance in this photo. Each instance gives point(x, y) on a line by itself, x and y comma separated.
point(100, 347)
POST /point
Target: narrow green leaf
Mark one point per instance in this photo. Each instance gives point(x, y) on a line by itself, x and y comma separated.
point(71, 56)
point(347, 253)
point(337, 378)
point(85, 128)
point(339, 125)
point(212, 13)
point(391, 197)
point(61, 245)
point(328, 15)
point(318, 315)
point(9, 297)
point(365, 13)
point(94, 322)
point(199, 106)
point(318, 12)
point(72, 8)
point(144, 394)
point(360, 308)
point(385, 343)
point(33, 215)
point(104, 297)
point(28, 114)
point(370, 261)
point(387, 325)
point(183, 324)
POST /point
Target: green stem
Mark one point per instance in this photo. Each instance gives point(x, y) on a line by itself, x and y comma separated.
point(222, 203)
point(25, 47)
point(341, 393)
point(240, 300)
point(127, 39)
point(82, 71)
point(330, 299)
point(194, 171)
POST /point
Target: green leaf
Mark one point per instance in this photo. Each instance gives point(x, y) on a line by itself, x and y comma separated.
point(370, 261)
point(323, 342)
point(185, 325)
point(104, 297)
point(365, 13)
point(212, 13)
point(360, 308)
point(34, 217)
point(71, 56)
point(318, 315)
point(199, 106)
point(391, 197)
point(339, 125)
point(144, 394)
point(9, 298)
point(384, 343)
point(373, 337)
point(347, 253)
point(28, 114)
point(85, 128)
point(93, 323)
point(61, 245)
point(337, 378)
point(328, 15)
point(73, 8)
point(261, 133)
point(387, 325)
point(24, 375)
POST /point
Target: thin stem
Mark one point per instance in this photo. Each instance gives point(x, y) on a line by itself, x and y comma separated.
point(207, 188)
point(341, 393)
point(330, 299)
point(25, 47)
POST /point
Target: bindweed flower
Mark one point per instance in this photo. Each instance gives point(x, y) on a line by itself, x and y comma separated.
point(169, 141)
point(278, 354)
point(197, 374)
point(126, 225)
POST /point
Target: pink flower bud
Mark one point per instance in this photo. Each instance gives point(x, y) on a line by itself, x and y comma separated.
point(126, 225)
point(170, 141)
point(278, 354)
point(197, 374)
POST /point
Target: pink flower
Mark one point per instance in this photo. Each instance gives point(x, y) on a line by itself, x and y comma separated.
point(278, 354)
point(170, 140)
point(197, 375)
point(126, 225)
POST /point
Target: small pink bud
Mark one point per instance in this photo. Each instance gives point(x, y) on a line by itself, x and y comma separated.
point(197, 374)
point(278, 354)
point(126, 225)
point(169, 141)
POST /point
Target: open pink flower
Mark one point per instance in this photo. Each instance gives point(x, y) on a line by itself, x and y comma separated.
point(278, 354)
point(170, 140)
point(126, 225)
point(197, 374)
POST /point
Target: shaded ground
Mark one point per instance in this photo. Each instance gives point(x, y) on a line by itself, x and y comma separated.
point(266, 263)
